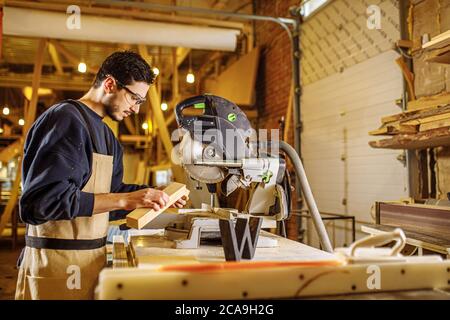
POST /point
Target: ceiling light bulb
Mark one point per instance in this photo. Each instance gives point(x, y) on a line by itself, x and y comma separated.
point(21, 122)
point(145, 126)
point(5, 111)
point(82, 67)
point(190, 78)
point(156, 71)
point(164, 106)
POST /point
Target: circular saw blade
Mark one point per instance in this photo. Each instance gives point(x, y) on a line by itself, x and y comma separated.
point(190, 150)
point(205, 174)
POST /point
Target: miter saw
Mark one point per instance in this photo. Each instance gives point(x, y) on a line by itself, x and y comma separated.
point(219, 146)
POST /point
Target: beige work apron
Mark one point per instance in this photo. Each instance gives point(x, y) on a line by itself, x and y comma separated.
point(68, 274)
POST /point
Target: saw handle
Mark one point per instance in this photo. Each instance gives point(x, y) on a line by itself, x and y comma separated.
point(180, 118)
point(380, 239)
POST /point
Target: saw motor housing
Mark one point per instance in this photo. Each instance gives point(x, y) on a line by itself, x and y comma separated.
point(219, 145)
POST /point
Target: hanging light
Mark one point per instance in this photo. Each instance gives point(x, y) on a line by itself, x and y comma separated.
point(82, 67)
point(164, 106)
point(21, 122)
point(155, 71)
point(5, 111)
point(190, 78)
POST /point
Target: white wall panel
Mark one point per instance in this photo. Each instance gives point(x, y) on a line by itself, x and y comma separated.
point(337, 113)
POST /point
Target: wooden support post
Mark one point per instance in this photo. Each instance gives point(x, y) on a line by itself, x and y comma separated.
point(175, 88)
point(29, 119)
point(164, 134)
point(288, 120)
point(55, 59)
point(409, 77)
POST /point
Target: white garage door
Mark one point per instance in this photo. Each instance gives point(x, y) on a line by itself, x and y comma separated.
point(346, 175)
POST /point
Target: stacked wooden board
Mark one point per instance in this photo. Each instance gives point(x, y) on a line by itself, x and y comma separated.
point(431, 220)
point(438, 49)
point(425, 124)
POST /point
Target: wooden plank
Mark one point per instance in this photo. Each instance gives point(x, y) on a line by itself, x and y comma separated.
point(140, 217)
point(382, 131)
point(412, 238)
point(438, 41)
point(119, 253)
point(422, 140)
point(405, 43)
point(409, 77)
point(435, 125)
point(393, 129)
point(442, 99)
point(423, 120)
point(416, 114)
point(439, 55)
point(426, 219)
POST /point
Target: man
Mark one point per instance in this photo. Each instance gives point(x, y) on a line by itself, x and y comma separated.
point(72, 181)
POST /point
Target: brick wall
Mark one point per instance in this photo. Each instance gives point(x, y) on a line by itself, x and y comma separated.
point(275, 64)
point(274, 74)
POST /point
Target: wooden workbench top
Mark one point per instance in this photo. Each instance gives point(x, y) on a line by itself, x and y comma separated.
point(155, 249)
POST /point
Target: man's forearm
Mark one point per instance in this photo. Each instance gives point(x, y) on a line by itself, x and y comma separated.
point(105, 202)
point(148, 198)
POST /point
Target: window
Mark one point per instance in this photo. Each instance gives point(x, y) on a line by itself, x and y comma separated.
point(310, 6)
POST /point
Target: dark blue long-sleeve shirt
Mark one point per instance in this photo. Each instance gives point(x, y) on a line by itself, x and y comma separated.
point(57, 164)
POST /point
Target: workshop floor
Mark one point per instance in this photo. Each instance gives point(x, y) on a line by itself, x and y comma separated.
point(8, 270)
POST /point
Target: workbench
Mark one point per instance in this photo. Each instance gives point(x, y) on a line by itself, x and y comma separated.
point(292, 270)
point(155, 249)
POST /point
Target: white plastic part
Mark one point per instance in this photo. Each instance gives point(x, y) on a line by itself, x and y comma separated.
point(378, 240)
point(38, 23)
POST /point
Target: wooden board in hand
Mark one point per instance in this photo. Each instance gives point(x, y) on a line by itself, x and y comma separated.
point(138, 218)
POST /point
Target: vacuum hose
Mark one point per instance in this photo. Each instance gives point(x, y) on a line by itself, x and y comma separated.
point(307, 193)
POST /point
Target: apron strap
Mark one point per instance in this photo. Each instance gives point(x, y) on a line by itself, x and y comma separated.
point(64, 244)
point(84, 115)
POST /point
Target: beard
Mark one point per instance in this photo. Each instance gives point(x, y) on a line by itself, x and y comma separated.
point(112, 111)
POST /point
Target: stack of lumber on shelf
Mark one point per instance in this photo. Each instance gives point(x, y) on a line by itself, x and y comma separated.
point(425, 124)
point(438, 49)
point(430, 220)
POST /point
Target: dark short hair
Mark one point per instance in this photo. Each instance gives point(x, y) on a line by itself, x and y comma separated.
point(126, 67)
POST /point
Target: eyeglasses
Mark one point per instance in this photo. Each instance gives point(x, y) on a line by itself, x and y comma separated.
point(137, 99)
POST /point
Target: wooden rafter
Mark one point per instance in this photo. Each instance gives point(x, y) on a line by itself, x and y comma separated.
point(70, 56)
point(55, 59)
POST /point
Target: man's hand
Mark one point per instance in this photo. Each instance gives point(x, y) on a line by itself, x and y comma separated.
point(145, 198)
point(180, 202)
